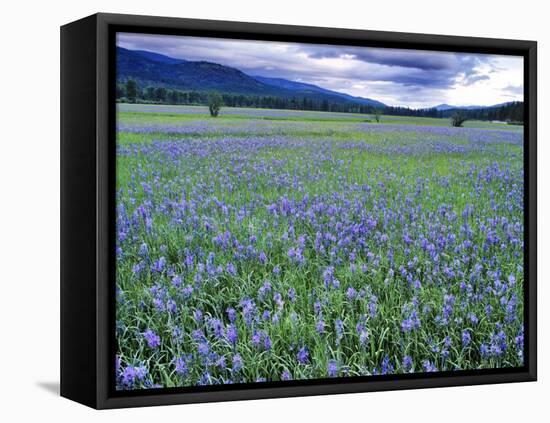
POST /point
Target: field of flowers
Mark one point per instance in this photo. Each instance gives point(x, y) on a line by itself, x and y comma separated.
point(255, 249)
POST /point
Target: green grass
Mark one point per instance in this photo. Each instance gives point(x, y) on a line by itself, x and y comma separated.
point(336, 178)
point(309, 116)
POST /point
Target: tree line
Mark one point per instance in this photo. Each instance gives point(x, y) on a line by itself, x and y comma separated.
point(510, 112)
point(131, 92)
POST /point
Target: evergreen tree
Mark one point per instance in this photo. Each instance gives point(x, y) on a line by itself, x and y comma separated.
point(131, 90)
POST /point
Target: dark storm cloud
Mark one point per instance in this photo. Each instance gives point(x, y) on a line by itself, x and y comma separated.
point(395, 76)
point(402, 58)
point(438, 69)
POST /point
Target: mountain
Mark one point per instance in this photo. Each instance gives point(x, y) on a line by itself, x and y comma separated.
point(443, 107)
point(156, 70)
point(161, 58)
point(494, 106)
point(304, 88)
point(161, 71)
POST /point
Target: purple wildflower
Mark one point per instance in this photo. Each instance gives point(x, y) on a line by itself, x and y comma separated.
point(466, 338)
point(237, 363)
point(232, 335)
point(332, 368)
point(152, 339)
point(303, 355)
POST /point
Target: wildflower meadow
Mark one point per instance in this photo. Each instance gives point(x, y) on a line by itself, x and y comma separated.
point(266, 245)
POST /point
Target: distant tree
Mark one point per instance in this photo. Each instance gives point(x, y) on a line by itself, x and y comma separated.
point(193, 97)
point(131, 90)
point(215, 103)
point(173, 97)
point(120, 91)
point(377, 114)
point(150, 93)
point(458, 118)
point(160, 94)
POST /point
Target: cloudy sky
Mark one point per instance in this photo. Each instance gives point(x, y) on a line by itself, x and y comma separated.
point(412, 78)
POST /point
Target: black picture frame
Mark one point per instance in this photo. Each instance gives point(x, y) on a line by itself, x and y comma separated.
point(87, 208)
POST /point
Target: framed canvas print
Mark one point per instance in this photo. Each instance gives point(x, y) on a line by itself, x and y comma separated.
point(255, 211)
